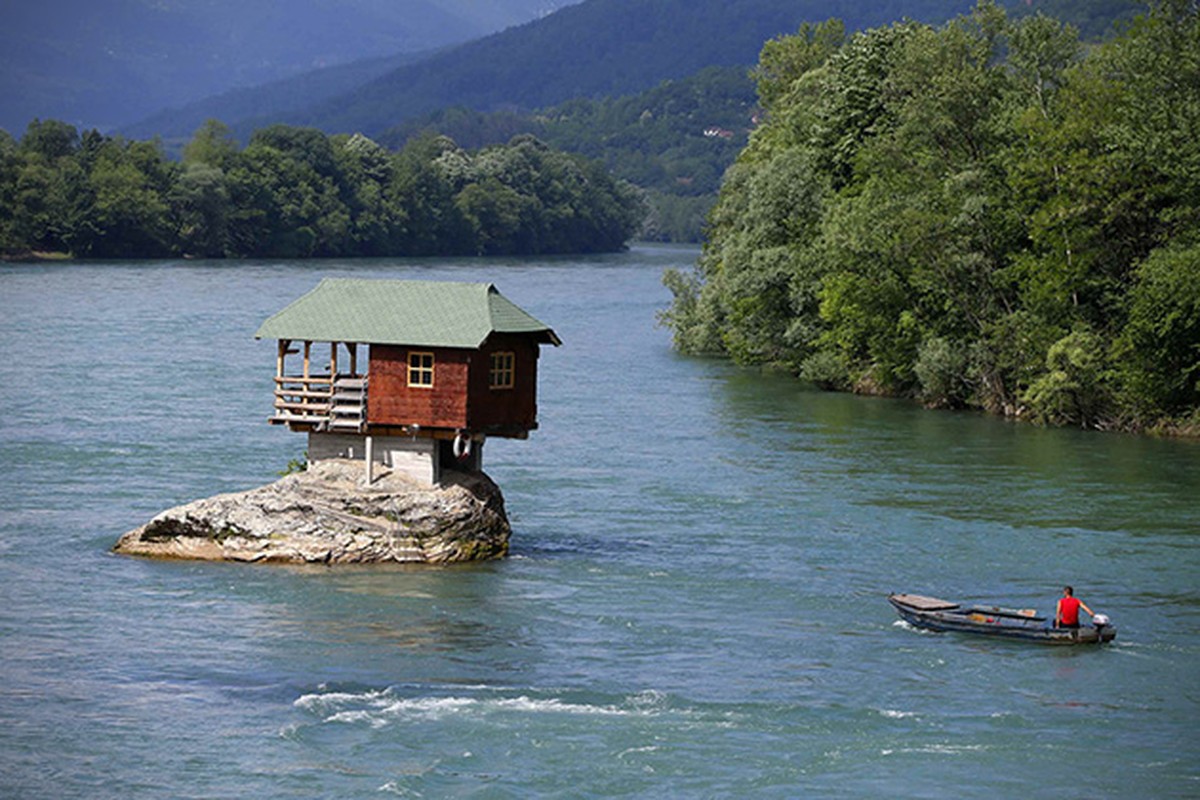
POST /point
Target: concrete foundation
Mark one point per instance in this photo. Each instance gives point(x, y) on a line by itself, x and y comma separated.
point(415, 458)
point(420, 459)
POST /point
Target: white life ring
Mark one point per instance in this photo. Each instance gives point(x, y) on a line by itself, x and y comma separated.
point(462, 446)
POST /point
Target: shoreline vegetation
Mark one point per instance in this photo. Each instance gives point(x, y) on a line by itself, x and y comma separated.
point(296, 193)
point(986, 215)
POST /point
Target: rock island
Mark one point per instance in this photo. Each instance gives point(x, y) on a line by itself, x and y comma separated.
point(329, 514)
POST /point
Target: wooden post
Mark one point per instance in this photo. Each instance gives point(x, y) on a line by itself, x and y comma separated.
point(283, 349)
point(307, 356)
point(353, 348)
point(370, 460)
point(333, 360)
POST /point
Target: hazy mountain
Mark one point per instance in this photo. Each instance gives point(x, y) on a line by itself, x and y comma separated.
point(261, 105)
point(593, 49)
point(598, 47)
point(101, 63)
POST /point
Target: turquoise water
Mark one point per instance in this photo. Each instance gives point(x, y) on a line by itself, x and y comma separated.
point(694, 606)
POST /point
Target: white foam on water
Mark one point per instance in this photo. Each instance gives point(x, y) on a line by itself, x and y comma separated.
point(554, 706)
point(894, 714)
point(651, 748)
point(377, 708)
point(908, 626)
point(318, 701)
point(425, 708)
point(935, 749)
point(352, 717)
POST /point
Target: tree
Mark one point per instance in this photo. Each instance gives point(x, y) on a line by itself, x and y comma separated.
point(1158, 351)
point(200, 207)
point(128, 216)
point(1072, 390)
point(213, 145)
point(50, 140)
point(293, 192)
point(10, 170)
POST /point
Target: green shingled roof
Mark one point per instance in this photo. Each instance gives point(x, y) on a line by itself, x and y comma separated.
point(421, 313)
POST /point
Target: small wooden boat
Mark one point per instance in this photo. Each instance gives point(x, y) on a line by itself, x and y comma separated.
point(934, 614)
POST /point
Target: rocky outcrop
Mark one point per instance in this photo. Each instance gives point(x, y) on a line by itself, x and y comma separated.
point(329, 515)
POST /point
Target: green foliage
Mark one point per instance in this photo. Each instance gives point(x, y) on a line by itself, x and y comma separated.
point(212, 144)
point(941, 369)
point(50, 140)
point(1159, 349)
point(294, 193)
point(674, 141)
point(786, 59)
point(825, 369)
point(984, 214)
point(1072, 390)
point(672, 218)
point(295, 465)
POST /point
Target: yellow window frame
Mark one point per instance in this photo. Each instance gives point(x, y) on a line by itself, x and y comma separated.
point(420, 369)
point(502, 370)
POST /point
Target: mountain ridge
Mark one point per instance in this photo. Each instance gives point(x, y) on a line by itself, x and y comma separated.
point(106, 63)
point(589, 49)
point(594, 49)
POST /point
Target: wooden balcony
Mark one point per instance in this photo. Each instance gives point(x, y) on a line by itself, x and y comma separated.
point(321, 403)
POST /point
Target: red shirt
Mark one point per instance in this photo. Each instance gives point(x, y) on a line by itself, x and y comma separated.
point(1068, 610)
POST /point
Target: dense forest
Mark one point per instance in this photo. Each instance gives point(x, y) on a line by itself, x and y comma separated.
point(295, 192)
point(675, 141)
point(986, 214)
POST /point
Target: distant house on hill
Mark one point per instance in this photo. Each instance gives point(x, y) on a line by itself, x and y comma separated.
point(446, 365)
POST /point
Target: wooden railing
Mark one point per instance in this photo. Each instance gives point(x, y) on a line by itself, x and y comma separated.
point(303, 399)
point(321, 401)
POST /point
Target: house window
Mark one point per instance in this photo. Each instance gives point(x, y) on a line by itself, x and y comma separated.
point(420, 369)
point(500, 374)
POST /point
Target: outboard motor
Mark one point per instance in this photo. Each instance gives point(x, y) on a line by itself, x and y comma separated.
point(1101, 621)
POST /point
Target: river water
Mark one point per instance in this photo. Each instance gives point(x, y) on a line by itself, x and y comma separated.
point(694, 605)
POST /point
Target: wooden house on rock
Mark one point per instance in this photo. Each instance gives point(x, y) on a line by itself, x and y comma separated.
point(446, 365)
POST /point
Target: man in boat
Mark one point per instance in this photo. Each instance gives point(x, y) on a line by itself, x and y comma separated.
point(1066, 613)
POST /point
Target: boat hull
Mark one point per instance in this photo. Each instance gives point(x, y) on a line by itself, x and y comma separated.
point(933, 614)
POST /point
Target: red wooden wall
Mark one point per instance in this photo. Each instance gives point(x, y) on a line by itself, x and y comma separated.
point(391, 401)
point(515, 407)
point(460, 397)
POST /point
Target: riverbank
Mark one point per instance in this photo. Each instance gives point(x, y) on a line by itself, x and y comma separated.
point(26, 256)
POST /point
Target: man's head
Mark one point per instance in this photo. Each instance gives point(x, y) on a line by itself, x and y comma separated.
point(1068, 591)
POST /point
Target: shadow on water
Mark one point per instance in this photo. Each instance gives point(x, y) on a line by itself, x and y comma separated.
point(966, 466)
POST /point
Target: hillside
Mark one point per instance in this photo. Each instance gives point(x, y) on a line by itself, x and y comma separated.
point(674, 141)
point(593, 49)
point(598, 48)
point(678, 136)
point(102, 63)
point(256, 106)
